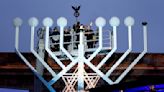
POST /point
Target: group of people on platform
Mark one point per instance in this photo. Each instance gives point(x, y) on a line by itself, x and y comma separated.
point(89, 34)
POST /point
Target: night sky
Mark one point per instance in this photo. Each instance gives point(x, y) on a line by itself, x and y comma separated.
point(142, 10)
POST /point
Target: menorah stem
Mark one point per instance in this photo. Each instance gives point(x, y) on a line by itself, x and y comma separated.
point(100, 45)
point(130, 37)
point(40, 57)
point(19, 53)
point(113, 49)
point(125, 54)
point(61, 45)
point(32, 39)
point(47, 47)
point(61, 37)
point(81, 63)
point(137, 59)
point(100, 37)
point(145, 37)
point(17, 38)
point(81, 39)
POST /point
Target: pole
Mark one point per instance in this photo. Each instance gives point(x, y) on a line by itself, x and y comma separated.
point(81, 63)
point(38, 87)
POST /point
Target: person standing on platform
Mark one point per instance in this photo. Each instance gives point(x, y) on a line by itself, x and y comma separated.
point(55, 39)
point(89, 34)
point(67, 38)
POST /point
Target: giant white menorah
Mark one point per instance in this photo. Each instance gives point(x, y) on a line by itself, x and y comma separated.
point(80, 76)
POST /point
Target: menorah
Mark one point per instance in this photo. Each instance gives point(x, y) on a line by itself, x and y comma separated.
point(80, 77)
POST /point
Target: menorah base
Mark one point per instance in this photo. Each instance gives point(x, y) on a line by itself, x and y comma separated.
point(71, 79)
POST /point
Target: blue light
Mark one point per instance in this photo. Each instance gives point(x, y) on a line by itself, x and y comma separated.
point(160, 91)
point(160, 86)
point(138, 89)
point(12, 90)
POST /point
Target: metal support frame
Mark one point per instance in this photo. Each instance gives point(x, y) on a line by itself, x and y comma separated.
point(39, 66)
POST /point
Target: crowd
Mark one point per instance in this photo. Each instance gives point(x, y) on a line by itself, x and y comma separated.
point(75, 29)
